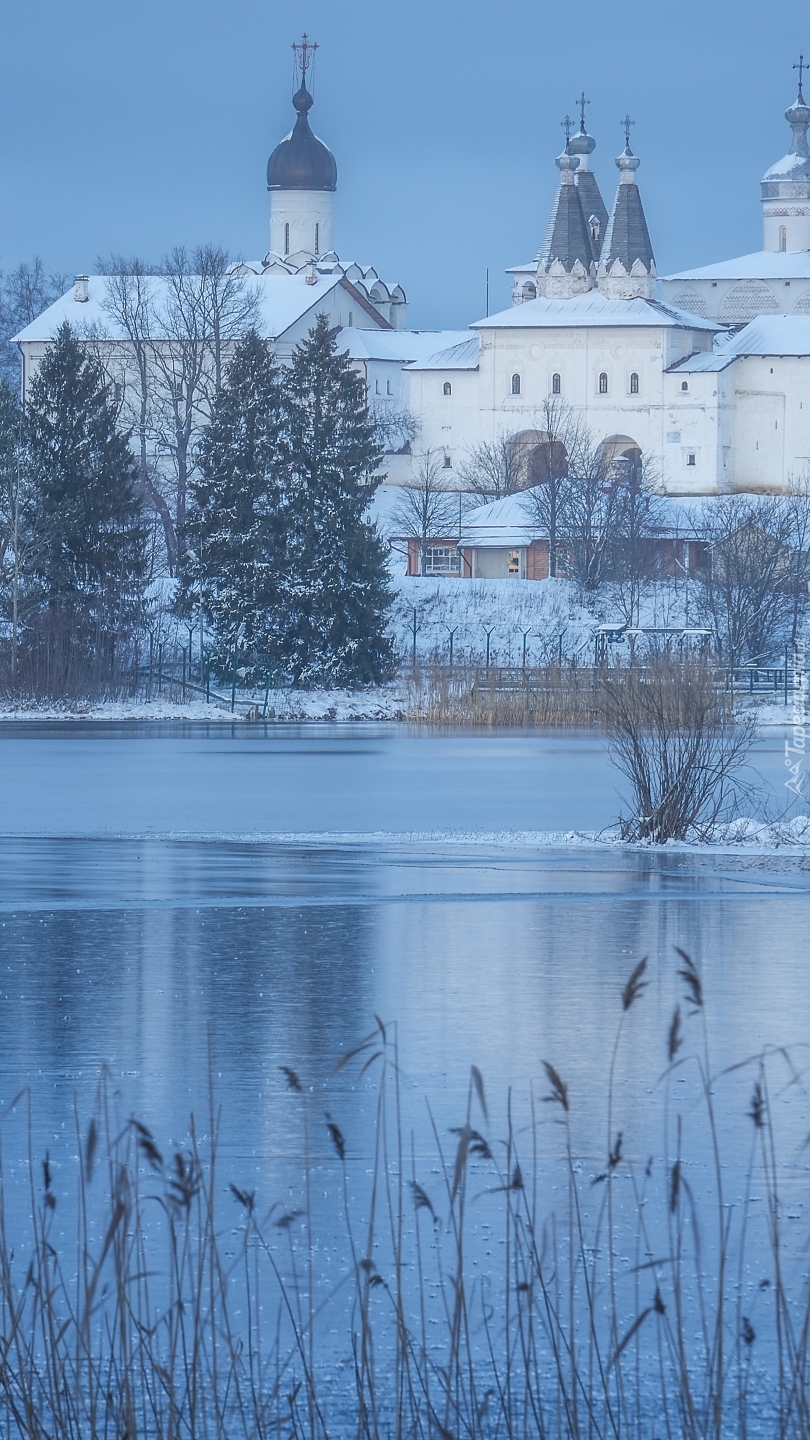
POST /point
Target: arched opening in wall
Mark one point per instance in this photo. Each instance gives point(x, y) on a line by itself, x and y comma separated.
point(529, 291)
point(547, 460)
point(447, 388)
point(594, 227)
point(634, 383)
point(603, 382)
point(556, 384)
point(515, 384)
point(783, 237)
point(621, 457)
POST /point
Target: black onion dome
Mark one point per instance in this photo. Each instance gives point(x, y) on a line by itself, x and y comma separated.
point(302, 161)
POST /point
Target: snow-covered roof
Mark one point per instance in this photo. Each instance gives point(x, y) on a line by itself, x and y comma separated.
point(283, 300)
point(399, 345)
point(782, 335)
point(591, 310)
point(760, 265)
point(512, 522)
point(509, 522)
point(462, 356)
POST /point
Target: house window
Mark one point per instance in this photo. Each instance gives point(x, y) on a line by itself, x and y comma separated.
point(448, 464)
point(684, 384)
point(556, 385)
point(783, 237)
point(351, 319)
point(447, 388)
point(515, 384)
point(388, 388)
point(594, 227)
point(603, 390)
point(634, 383)
point(442, 560)
point(691, 458)
point(317, 238)
point(286, 239)
point(513, 563)
point(376, 387)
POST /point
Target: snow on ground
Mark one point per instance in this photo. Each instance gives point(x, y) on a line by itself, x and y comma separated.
point(114, 710)
point(546, 611)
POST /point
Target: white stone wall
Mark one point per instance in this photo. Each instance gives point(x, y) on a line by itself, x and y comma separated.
point(303, 211)
point(482, 407)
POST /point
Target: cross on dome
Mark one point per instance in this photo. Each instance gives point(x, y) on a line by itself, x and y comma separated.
point(304, 54)
point(582, 102)
point(567, 125)
point(627, 123)
point(801, 67)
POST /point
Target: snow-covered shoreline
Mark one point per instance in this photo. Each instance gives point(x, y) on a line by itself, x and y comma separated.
point(284, 707)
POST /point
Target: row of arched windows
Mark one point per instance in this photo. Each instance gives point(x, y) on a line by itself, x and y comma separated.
point(556, 384)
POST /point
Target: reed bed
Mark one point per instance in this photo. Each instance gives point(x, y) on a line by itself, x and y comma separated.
point(506, 1289)
point(548, 697)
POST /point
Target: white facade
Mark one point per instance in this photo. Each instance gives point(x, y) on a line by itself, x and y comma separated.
point(301, 222)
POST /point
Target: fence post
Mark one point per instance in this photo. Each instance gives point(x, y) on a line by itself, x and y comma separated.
point(160, 669)
point(184, 672)
point(786, 677)
point(414, 629)
point(233, 679)
point(489, 634)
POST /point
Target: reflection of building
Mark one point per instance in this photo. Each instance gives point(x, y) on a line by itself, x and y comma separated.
point(712, 405)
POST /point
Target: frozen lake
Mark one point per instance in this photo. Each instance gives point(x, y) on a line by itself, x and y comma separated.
point(139, 908)
point(267, 892)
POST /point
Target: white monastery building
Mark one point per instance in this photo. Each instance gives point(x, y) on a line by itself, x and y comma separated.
point(703, 373)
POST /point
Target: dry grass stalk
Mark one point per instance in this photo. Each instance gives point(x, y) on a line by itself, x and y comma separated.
point(619, 1305)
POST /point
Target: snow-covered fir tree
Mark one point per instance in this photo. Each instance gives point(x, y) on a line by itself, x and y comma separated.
point(87, 550)
point(237, 531)
point(336, 582)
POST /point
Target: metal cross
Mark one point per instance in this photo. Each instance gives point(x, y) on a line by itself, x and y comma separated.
point(304, 54)
point(566, 125)
point(627, 123)
point(801, 67)
point(582, 102)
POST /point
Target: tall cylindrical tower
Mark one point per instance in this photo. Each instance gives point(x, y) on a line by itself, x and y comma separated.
point(301, 179)
point(786, 188)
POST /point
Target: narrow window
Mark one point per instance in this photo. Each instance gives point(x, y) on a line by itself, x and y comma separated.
point(634, 383)
point(594, 224)
point(684, 384)
point(447, 388)
point(603, 390)
point(376, 387)
point(286, 239)
point(389, 389)
point(556, 385)
point(783, 237)
point(448, 464)
point(317, 238)
point(351, 319)
point(691, 459)
point(515, 384)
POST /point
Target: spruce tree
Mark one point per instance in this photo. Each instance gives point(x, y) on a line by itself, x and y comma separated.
point(337, 589)
point(236, 533)
point(88, 552)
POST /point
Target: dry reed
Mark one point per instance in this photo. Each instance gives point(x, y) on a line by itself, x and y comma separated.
point(620, 1305)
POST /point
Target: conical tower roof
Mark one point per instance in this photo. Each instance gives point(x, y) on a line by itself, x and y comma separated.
point(627, 246)
point(583, 145)
point(567, 238)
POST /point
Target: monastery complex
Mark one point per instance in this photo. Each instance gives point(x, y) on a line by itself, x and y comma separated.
point(704, 373)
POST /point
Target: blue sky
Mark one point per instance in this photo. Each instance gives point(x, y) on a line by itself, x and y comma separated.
point(133, 128)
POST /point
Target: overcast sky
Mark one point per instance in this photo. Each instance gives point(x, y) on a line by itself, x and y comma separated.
point(134, 127)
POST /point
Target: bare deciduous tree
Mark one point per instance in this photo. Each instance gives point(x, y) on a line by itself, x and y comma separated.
point(24, 294)
point(427, 510)
point(675, 738)
point(178, 322)
point(750, 586)
point(494, 469)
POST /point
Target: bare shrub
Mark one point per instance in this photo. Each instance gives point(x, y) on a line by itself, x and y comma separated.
point(675, 737)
